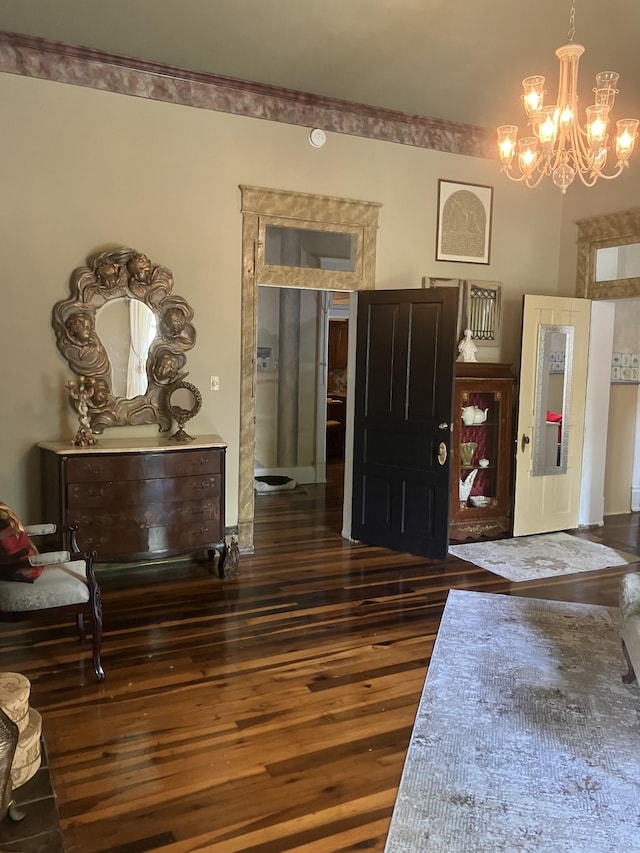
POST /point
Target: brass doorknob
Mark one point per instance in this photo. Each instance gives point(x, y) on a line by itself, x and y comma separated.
point(442, 453)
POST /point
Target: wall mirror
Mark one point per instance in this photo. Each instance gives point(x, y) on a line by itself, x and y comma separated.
point(614, 263)
point(309, 248)
point(123, 328)
point(552, 399)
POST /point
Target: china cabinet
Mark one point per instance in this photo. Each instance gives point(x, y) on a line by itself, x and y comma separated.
point(482, 450)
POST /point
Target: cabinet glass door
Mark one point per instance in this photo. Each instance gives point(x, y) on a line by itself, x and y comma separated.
point(479, 449)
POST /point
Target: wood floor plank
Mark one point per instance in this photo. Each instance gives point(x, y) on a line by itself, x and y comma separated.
point(265, 713)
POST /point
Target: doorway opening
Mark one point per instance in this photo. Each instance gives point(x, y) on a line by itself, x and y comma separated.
point(274, 254)
point(607, 270)
point(301, 388)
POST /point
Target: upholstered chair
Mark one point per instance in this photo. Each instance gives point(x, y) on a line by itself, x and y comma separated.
point(66, 583)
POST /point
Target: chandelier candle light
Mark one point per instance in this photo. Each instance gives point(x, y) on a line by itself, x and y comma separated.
point(558, 146)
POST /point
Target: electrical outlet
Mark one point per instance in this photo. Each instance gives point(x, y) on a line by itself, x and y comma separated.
point(214, 383)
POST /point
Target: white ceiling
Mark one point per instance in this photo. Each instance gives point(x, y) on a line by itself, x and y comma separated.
point(461, 61)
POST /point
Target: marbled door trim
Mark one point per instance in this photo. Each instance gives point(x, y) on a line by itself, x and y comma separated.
point(601, 232)
point(50, 60)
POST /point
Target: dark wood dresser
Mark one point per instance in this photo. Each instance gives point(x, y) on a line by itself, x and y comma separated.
point(138, 499)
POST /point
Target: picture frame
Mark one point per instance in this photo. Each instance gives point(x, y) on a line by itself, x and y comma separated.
point(463, 233)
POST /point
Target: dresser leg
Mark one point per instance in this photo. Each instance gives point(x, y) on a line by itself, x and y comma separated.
point(228, 559)
point(222, 559)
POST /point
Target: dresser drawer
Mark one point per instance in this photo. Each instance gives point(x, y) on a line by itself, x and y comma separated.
point(140, 493)
point(156, 528)
point(178, 463)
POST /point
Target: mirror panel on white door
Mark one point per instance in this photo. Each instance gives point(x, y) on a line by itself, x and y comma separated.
point(552, 401)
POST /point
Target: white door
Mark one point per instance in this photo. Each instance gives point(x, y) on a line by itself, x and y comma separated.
point(549, 438)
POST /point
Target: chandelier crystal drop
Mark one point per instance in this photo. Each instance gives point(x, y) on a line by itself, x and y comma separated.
point(557, 145)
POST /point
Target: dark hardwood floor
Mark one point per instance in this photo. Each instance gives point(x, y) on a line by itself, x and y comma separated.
point(265, 713)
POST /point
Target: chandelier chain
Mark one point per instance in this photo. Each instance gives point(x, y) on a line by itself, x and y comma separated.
point(572, 20)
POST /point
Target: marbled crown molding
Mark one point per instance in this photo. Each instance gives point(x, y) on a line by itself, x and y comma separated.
point(62, 63)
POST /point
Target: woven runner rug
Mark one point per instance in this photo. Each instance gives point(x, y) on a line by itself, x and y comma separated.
point(526, 740)
point(543, 556)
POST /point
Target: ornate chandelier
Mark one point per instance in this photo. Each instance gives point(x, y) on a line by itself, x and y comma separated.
point(557, 144)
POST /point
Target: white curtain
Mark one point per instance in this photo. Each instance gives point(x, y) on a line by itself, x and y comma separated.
point(142, 331)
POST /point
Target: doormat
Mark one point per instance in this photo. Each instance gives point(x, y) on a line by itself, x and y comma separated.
point(525, 738)
point(546, 555)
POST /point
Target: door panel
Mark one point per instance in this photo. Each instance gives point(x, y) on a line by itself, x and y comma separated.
point(550, 502)
point(405, 353)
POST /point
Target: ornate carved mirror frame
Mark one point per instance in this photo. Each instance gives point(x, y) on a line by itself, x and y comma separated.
point(158, 332)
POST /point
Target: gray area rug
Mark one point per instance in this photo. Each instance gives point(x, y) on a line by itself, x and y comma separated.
point(543, 556)
point(525, 739)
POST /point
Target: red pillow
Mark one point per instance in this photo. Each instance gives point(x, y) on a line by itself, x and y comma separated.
point(15, 549)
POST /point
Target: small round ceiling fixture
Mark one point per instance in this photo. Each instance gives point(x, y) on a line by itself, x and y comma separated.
point(317, 137)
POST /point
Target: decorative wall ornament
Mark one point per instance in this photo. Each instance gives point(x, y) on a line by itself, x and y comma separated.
point(184, 401)
point(479, 307)
point(125, 333)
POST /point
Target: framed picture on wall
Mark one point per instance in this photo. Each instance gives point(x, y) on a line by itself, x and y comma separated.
point(464, 222)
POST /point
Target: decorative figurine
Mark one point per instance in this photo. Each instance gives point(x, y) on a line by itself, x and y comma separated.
point(467, 348)
point(467, 484)
point(80, 393)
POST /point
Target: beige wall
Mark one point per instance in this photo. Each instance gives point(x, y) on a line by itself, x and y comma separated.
point(84, 169)
point(626, 327)
point(620, 444)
